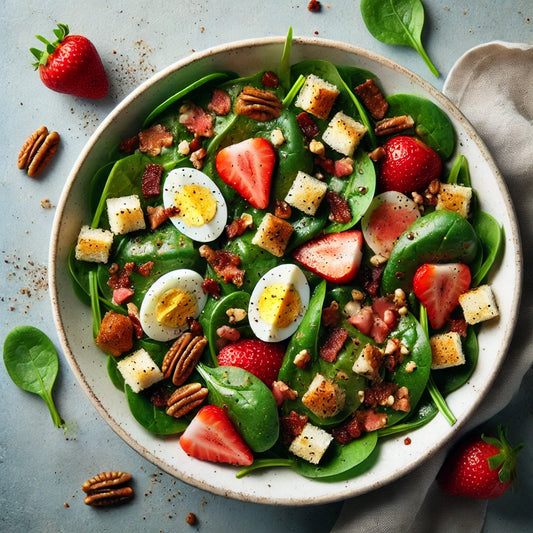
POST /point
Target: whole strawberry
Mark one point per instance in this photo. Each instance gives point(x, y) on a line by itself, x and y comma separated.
point(482, 468)
point(408, 165)
point(260, 358)
point(71, 65)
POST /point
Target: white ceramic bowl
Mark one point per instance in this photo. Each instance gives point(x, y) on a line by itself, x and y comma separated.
point(73, 319)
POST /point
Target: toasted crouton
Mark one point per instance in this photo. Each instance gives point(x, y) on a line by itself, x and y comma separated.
point(324, 397)
point(478, 304)
point(317, 96)
point(273, 235)
point(343, 134)
point(94, 245)
point(125, 214)
point(369, 362)
point(306, 193)
point(311, 443)
point(453, 197)
point(139, 370)
point(446, 350)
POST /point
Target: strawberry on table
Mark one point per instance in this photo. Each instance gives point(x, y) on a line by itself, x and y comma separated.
point(480, 467)
point(335, 256)
point(71, 65)
point(260, 358)
point(247, 167)
point(408, 165)
point(438, 287)
point(212, 437)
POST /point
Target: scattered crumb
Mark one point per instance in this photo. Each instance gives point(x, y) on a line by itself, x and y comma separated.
point(314, 6)
point(190, 519)
point(407, 441)
point(46, 204)
point(66, 505)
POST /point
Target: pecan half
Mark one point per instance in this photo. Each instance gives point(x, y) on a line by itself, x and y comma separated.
point(185, 399)
point(389, 126)
point(107, 488)
point(258, 104)
point(37, 151)
point(182, 357)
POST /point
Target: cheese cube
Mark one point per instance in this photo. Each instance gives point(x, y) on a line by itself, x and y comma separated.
point(93, 245)
point(317, 96)
point(478, 304)
point(273, 234)
point(139, 370)
point(446, 350)
point(306, 193)
point(452, 197)
point(125, 214)
point(324, 397)
point(343, 134)
point(311, 443)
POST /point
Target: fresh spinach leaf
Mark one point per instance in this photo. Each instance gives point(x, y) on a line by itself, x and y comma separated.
point(491, 236)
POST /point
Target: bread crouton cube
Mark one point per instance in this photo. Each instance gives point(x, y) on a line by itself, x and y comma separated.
point(125, 214)
point(273, 234)
point(343, 134)
point(453, 197)
point(306, 193)
point(479, 304)
point(324, 397)
point(93, 245)
point(139, 370)
point(317, 96)
point(446, 350)
point(311, 443)
point(369, 362)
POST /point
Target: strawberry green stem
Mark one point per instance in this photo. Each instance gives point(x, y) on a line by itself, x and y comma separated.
point(42, 56)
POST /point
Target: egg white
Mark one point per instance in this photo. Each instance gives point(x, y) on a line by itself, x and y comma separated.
point(182, 176)
point(184, 279)
point(290, 275)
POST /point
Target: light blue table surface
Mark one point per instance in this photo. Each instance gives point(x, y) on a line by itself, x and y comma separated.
point(41, 467)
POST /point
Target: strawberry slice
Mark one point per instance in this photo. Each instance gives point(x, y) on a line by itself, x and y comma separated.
point(247, 167)
point(336, 256)
point(212, 437)
point(438, 287)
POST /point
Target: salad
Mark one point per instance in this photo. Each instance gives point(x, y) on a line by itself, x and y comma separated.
point(286, 268)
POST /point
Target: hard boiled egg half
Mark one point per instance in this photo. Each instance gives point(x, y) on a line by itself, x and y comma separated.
point(201, 208)
point(278, 303)
point(174, 297)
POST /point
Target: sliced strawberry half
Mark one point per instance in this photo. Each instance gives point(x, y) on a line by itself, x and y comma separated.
point(212, 437)
point(247, 167)
point(438, 287)
point(336, 256)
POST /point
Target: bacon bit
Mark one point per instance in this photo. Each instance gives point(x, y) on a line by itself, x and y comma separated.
point(121, 294)
point(121, 278)
point(151, 180)
point(282, 209)
point(373, 99)
point(371, 278)
point(343, 167)
point(220, 103)
point(281, 392)
point(458, 325)
point(129, 145)
point(160, 396)
point(133, 313)
point(239, 226)
point(326, 163)
point(154, 139)
point(331, 315)
point(145, 269)
point(387, 311)
point(196, 120)
point(333, 344)
point(291, 426)
point(371, 420)
point(407, 441)
point(379, 394)
point(211, 287)
point(402, 401)
point(368, 322)
point(314, 6)
point(115, 335)
point(194, 326)
point(228, 333)
point(270, 79)
point(340, 210)
point(159, 214)
point(307, 124)
point(224, 263)
point(196, 143)
point(349, 430)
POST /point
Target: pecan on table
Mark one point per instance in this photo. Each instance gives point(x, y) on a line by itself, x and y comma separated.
point(37, 151)
point(107, 488)
point(258, 104)
point(185, 399)
point(182, 357)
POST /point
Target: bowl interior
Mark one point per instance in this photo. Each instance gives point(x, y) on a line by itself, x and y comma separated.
point(74, 322)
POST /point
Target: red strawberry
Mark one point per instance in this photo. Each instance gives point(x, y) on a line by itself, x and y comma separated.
point(260, 358)
point(71, 65)
point(438, 287)
point(212, 437)
point(408, 165)
point(247, 167)
point(336, 256)
point(481, 468)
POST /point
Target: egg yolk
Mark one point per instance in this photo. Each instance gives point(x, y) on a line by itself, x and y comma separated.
point(279, 305)
point(197, 205)
point(174, 307)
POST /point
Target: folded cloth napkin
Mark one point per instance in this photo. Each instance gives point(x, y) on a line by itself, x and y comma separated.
point(492, 85)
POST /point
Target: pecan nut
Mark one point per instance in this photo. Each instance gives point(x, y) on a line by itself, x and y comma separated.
point(389, 126)
point(37, 151)
point(180, 360)
point(107, 488)
point(185, 399)
point(258, 104)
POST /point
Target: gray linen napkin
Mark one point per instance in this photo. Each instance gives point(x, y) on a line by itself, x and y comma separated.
point(492, 85)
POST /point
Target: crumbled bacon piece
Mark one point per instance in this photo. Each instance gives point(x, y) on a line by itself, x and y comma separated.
point(228, 333)
point(224, 263)
point(220, 102)
point(282, 209)
point(129, 145)
point(371, 278)
point(458, 325)
point(343, 167)
point(194, 326)
point(154, 139)
point(121, 278)
point(270, 79)
point(330, 314)
point(373, 99)
point(291, 426)
point(349, 430)
point(393, 354)
point(151, 180)
point(333, 345)
point(160, 396)
point(307, 124)
point(379, 394)
point(371, 420)
point(402, 401)
point(121, 294)
point(196, 143)
point(211, 286)
point(281, 392)
point(326, 163)
point(197, 120)
point(133, 313)
point(238, 226)
point(159, 214)
point(340, 210)
point(145, 269)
